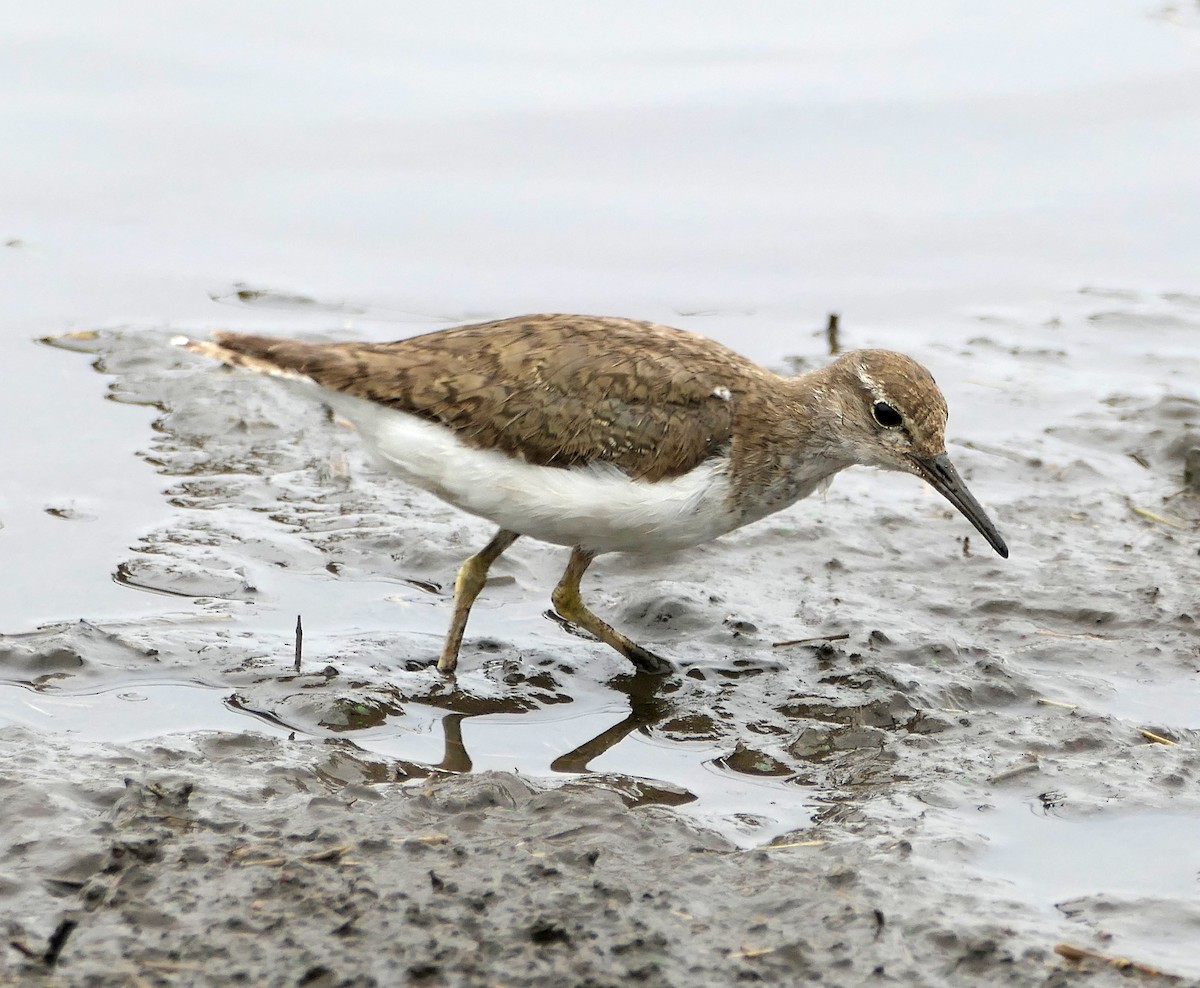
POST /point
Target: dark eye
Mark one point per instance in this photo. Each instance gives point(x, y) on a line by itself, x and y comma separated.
point(886, 415)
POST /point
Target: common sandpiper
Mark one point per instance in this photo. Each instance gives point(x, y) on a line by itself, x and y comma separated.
point(611, 435)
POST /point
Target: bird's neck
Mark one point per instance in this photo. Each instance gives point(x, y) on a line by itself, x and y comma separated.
point(786, 443)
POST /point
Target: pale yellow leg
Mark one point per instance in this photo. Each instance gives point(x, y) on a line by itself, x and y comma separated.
point(570, 605)
point(471, 577)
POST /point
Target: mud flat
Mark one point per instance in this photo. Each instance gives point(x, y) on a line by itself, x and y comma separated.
point(237, 859)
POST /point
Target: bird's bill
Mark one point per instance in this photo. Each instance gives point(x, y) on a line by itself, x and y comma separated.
point(940, 473)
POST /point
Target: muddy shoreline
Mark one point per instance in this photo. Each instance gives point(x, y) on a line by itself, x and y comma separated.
point(234, 859)
point(984, 759)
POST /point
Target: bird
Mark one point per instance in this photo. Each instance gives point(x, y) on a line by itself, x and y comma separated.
point(605, 434)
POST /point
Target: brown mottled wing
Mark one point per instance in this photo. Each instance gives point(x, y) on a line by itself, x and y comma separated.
point(555, 390)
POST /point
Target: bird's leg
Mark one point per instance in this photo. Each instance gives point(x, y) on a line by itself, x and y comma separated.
point(471, 577)
point(569, 604)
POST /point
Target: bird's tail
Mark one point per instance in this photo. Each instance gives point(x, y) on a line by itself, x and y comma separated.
point(261, 354)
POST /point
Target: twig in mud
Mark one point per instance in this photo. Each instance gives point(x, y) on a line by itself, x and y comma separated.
point(54, 946)
point(1047, 633)
point(331, 854)
point(1155, 738)
point(1012, 773)
point(1044, 702)
point(58, 940)
point(831, 335)
point(299, 641)
point(749, 953)
point(952, 706)
point(810, 641)
point(25, 950)
point(1154, 516)
point(245, 856)
point(1073, 953)
point(795, 843)
point(265, 862)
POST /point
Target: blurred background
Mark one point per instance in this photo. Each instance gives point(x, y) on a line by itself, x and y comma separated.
point(894, 161)
point(740, 170)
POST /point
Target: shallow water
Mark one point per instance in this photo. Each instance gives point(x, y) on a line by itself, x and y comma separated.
point(1007, 194)
point(1059, 862)
point(1054, 857)
point(125, 713)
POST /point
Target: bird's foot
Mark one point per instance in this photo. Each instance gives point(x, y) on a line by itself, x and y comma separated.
point(646, 661)
point(643, 659)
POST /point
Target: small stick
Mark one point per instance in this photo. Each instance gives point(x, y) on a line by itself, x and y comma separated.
point(1156, 738)
point(1047, 633)
point(299, 642)
point(1045, 702)
point(749, 953)
point(58, 940)
point(1153, 516)
point(332, 854)
point(795, 843)
point(25, 950)
point(810, 641)
point(1073, 953)
point(1012, 773)
point(831, 334)
point(54, 949)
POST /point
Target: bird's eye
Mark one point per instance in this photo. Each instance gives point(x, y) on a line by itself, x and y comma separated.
point(886, 415)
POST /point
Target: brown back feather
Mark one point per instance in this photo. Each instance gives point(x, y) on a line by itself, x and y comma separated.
point(555, 390)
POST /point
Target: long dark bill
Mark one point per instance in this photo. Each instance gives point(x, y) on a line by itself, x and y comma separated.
point(940, 472)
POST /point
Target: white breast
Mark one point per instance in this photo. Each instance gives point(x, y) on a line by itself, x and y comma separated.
point(597, 507)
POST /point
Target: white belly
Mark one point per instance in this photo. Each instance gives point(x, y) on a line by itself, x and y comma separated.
point(597, 507)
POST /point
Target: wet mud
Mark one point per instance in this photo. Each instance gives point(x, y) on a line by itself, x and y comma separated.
point(964, 763)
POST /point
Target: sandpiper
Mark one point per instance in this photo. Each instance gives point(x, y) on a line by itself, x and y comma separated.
point(611, 435)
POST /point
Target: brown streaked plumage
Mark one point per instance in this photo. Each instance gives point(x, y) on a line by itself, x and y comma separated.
point(611, 434)
point(532, 387)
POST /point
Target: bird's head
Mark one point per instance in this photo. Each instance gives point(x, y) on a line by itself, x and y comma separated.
point(892, 415)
